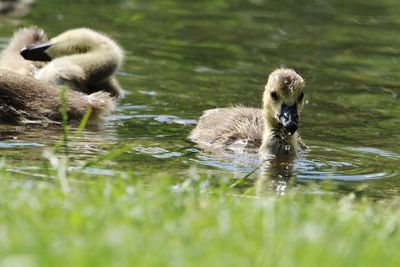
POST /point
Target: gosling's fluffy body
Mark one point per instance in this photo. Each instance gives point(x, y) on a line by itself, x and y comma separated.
point(84, 60)
point(23, 98)
point(252, 127)
point(230, 127)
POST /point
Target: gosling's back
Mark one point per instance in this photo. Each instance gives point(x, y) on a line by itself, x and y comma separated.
point(24, 99)
point(230, 127)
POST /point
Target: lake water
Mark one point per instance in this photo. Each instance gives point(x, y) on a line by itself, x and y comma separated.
point(183, 57)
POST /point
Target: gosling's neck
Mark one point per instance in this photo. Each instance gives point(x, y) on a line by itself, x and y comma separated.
point(276, 141)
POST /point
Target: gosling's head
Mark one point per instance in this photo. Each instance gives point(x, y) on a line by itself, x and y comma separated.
point(75, 41)
point(283, 99)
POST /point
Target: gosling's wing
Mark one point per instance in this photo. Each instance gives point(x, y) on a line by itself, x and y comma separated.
point(230, 126)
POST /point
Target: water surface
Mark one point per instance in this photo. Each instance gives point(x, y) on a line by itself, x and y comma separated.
point(183, 57)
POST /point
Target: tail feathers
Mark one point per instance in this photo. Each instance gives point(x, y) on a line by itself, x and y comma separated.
point(103, 105)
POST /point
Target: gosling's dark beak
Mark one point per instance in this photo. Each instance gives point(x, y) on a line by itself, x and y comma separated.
point(36, 52)
point(289, 118)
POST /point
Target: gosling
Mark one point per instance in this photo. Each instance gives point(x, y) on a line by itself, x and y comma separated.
point(24, 99)
point(81, 59)
point(272, 129)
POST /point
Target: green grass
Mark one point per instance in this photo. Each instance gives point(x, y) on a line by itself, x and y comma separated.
point(125, 222)
point(76, 219)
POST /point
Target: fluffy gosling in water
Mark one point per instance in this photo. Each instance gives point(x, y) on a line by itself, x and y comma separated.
point(272, 129)
point(26, 99)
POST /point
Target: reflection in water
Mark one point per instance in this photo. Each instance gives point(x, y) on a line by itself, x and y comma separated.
point(317, 164)
point(269, 175)
point(30, 140)
point(275, 175)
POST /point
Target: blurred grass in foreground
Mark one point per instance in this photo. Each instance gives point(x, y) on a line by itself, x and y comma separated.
point(126, 222)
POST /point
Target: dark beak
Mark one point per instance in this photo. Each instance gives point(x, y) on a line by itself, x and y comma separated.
point(36, 52)
point(289, 118)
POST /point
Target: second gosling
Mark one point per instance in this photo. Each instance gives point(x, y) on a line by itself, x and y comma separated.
point(82, 59)
point(272, 129)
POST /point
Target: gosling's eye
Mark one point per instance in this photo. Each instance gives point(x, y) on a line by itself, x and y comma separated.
point(301, 96)
point(274, 95)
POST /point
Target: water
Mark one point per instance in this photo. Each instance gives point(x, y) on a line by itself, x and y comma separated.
point(183, 57)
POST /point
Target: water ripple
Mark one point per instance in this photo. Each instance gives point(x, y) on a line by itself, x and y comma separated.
point(19, 144)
